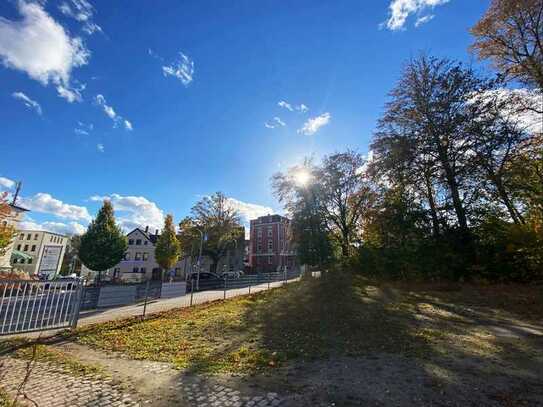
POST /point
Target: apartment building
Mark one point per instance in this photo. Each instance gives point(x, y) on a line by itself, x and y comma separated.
point(39, 252)
point(139, 263)
point(270, 248)
point(15, 215)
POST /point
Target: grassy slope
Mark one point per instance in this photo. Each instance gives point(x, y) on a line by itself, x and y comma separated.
point(321, 318)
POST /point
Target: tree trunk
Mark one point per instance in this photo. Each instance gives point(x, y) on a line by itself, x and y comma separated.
point(502, 193)
point(432, 203)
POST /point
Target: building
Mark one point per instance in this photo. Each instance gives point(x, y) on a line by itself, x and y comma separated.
point(38, 252)
point(270, 248)
point(13, 218)
point(139, 263)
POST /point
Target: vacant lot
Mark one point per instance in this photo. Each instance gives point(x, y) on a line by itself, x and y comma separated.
point(345, 340)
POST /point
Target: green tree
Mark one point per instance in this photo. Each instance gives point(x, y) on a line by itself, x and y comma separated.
point(104, 244)
point(167, 246)
point(214, 217)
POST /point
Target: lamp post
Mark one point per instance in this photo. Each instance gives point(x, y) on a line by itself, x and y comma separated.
point(199, 258)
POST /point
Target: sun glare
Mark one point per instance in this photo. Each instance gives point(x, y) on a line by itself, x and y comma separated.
point(302, 177)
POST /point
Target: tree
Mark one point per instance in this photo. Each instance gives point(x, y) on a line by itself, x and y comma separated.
point(167, 246)
point(510, 34)
point(214, 217)
point(70, 262)
point(104, 244)
point(7, 231)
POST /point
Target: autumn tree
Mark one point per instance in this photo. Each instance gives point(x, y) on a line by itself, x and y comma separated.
point(167, 247)
point(214, 218)
point(7, 231)
point(510, 34)
point(104, 244)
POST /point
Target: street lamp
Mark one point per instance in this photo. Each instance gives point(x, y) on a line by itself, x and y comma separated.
point(200, 257)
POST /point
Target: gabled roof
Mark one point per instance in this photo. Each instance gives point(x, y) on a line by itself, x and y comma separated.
point(148, 236)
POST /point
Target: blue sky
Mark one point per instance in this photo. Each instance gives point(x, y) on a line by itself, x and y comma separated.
point(156, 106)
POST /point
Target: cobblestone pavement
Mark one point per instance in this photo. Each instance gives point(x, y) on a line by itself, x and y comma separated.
point(200, 393)
point(51, 386)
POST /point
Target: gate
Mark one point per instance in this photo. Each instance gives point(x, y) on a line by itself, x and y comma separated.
point(27, 306)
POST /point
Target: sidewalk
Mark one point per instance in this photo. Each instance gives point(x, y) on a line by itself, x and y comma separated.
point(154, 306)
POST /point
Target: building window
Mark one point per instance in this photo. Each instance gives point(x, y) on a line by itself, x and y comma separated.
point(135, 270)
point(259, 248)
point(145, 256)
point(145, 243)
point(138, 256)
point(36, 236)
point(130, 242)
point(26, 248)
point(28, 237)
point(19, 247)
point(138, 242)
point(270, 259)
point(270, 245)
point(143, 270)
point(22, 261)
point(270, 231)
point(33, 248)
point(22, 236)
point(127, 256)
point(259, 232)
point(30, 261)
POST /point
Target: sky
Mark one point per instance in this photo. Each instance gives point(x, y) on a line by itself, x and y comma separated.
point(154, 105)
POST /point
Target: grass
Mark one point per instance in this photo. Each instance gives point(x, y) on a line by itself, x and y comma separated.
point(5, 400)
point(316, 319)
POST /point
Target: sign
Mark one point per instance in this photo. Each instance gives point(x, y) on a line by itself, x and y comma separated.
point(49, 259)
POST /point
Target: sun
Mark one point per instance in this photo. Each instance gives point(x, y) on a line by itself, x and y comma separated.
point(302, 177)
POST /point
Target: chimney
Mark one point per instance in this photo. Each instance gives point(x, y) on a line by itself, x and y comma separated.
point(146, 229)
point(156, 232)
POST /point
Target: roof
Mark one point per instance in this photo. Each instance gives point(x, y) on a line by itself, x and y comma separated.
point(152, 238)
point(40, 231)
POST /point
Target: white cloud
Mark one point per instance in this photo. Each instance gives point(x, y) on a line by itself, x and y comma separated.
point(182, 69)
point(82, 11)
point(100, 100)
point(45, 203)
point(6, 183)
point(400, 10)
point(312, 125)
point(134, 211)
point(302, 108)
point(40, 47)
point(285, 105)
point(275, 122)
point(423, 20)
point(248, 211)
point(31, 104)
point(83, 129)
point(100, 147)
point(70, 228)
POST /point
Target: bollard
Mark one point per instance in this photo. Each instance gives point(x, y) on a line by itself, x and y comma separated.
point(146, 297)
point(191, 290)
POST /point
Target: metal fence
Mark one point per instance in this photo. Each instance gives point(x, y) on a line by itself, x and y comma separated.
point(38, 305)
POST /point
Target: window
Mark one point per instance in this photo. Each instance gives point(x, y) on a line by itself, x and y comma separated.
point(138, 242)
point(143, 270)
point(270, 245)
point(28, 237)
point(259, 232)
point(270, 231)
point(138, 256)
point(19, 247)
point(30, 261)
point(22, 236)
point(145, 256)
point(127, 256)
point(130, 242)
point(270, 259)
point(135, 270)
point(22, 261)
point(36, 236)
point(259, 248)
point(26, 248)
point(33, 248)
point(145, 243)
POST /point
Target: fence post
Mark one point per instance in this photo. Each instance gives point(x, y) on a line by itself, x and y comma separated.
point(146, 297)
point(191, 290)
point(225, 283)
point(78, 304)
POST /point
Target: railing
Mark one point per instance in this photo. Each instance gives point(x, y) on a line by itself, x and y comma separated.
point(27, 306)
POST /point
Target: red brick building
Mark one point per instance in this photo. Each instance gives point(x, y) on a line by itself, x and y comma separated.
point(270, 248)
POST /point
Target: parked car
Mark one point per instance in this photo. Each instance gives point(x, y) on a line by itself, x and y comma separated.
point(208, 281)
